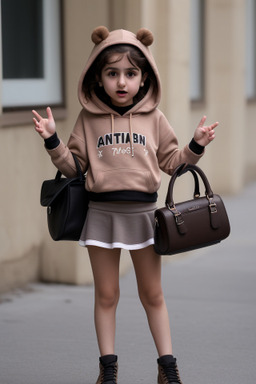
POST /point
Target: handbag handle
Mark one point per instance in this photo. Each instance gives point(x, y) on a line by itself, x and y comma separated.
point(78, 168)
point(196, 190)
point(180, 170)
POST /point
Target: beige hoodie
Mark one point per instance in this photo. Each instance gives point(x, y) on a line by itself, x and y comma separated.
point(122, 152)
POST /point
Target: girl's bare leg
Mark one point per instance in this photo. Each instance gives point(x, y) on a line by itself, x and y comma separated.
point(147, 265)
point(105, 268)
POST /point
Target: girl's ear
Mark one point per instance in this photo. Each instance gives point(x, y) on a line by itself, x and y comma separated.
point(144, 77)
point(98, 79)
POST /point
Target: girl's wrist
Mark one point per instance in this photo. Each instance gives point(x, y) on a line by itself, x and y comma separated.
point(52, 141)
point(195, 147)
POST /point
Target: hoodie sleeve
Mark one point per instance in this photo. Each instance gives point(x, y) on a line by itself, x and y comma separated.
point(169, 155)
point(61, 155)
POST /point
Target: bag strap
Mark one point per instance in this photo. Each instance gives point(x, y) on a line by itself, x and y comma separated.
point(180, 170)
point(78, 169)
point(196, 181)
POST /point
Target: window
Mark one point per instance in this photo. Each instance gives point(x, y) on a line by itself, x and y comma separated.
point(196, 49)
point(251, 49)
point(31, 53)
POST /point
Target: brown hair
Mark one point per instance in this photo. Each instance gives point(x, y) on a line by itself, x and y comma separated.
point(135, 56)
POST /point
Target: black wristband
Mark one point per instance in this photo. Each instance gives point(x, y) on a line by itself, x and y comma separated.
point(195, 147)
point(52, 142)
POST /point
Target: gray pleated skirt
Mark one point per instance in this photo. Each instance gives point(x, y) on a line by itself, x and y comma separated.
point(119, 225)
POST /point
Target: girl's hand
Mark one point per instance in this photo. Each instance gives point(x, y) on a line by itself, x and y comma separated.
point(45, 127)
point(204, 134)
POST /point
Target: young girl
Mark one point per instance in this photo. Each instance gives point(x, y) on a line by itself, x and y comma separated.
point(123, 141)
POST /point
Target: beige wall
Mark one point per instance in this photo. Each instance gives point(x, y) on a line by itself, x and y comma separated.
point(26, 250)
point(225, 92)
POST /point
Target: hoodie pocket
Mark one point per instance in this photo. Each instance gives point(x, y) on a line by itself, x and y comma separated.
point(122, 179)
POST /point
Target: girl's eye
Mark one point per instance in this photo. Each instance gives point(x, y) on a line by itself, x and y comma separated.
point(112, 74)
point(130, 74)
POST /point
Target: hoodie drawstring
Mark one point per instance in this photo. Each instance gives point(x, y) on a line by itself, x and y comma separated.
point(112, 125)
point(131, 135)
point(130, 131)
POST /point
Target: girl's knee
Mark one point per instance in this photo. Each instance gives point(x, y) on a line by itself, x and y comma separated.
point(107, 298)
point(152, 298)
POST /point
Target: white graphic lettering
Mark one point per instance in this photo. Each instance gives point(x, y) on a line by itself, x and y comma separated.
point(100, 154)
point(121, 151)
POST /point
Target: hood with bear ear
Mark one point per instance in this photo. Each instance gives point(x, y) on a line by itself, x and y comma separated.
point(102, 39)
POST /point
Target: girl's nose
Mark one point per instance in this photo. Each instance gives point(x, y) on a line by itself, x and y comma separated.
point(121, 80)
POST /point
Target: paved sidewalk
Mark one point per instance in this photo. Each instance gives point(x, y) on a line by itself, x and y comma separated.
point(47, 333)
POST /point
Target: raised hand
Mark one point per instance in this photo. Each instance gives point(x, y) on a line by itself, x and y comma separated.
point(45, 127)
point(204, 134)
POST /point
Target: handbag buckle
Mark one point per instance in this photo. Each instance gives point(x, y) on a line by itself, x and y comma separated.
point(179, 220)
point(178, 216)
point(212, 205)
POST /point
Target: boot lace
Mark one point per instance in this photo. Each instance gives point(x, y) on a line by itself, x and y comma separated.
point(171, 373)
point(110, 373)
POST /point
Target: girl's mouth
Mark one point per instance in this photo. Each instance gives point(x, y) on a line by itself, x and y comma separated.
point(121, 92)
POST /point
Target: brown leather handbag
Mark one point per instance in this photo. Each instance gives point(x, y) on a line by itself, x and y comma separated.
point(191, 224)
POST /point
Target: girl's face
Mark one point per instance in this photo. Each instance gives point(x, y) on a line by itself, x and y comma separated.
point(121, 80)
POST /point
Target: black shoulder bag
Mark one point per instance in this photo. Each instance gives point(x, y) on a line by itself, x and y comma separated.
point(67, 201)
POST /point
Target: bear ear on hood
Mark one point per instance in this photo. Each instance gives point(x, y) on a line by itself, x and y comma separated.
point(99, 34)
point(145, 36)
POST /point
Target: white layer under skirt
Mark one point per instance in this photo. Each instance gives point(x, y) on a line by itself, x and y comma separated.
point(119, 225)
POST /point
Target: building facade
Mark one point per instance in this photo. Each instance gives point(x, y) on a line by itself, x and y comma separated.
point(206, 54)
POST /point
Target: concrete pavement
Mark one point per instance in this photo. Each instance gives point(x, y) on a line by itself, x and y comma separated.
point(47, 333)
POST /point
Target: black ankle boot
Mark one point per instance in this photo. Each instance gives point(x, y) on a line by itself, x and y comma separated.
point(108, 370)
point(168, 372)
